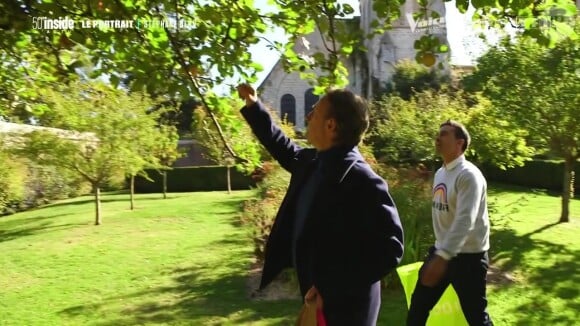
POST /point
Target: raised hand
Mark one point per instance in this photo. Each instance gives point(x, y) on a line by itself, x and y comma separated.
point(247, 93)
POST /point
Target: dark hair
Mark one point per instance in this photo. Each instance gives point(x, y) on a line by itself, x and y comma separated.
point(460, 132)
point(351, 115)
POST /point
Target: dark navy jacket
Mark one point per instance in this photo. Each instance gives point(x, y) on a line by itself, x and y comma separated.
point(352, 236)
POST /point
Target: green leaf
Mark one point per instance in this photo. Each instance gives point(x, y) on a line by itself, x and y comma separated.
point(565, 30)
point(347, 9)
point(529, 22)
point(256, 66)
point(233, 33)
point(346, 49)
point(417, 45)
point(504, 3)
point(481, 3)
point(462, 5)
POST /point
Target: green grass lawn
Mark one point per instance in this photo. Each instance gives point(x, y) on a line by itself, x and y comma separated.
point(542, 256)
point(184, 261)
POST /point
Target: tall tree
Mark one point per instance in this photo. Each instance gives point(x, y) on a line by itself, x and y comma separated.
point(411, 77)
point(108, 134)
point(156, 148)
point(237, 132)
point(537, 89)
point(404, 131)
point(165, 151)
point(183, 48)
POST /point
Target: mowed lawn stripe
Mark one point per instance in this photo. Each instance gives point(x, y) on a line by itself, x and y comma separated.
point(183, 260)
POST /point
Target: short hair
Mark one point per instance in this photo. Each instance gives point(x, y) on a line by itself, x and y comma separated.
point(460, 132)
point(351, 114)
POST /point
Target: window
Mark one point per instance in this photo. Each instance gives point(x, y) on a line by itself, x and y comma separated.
point(288, 108)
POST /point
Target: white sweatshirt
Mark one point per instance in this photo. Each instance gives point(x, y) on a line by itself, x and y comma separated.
point(460, 218)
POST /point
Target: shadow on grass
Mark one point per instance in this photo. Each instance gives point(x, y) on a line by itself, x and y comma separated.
point(558, 280)
point(215, 301)
point(202, 294)
point(10, 221)
point(200, 299)
point(223, 300)
point(207, 293)
point(19, 228)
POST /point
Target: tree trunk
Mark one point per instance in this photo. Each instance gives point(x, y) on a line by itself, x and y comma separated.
point(229, 179)
point(97, 192)
point(132, 195)
point(568, 189)
point(164, 184)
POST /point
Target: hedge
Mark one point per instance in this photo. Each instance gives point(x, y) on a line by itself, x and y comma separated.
point(199, 178)
point(538, 174)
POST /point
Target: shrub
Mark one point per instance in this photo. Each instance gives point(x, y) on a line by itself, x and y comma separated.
point(24, 184)
point(49, 183)
point(12, 184)
point(404, 131)
point(411, 77)
point(259, 213)
point(411, 191)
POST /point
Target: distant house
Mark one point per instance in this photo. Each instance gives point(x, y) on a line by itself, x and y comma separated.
point(193, 154)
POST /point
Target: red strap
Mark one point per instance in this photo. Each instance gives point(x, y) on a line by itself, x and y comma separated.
point(320, 320)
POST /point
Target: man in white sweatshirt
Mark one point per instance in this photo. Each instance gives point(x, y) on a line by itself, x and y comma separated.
point(461, 225)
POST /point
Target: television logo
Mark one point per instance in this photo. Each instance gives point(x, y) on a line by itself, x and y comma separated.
point(50, 23)
point(433, 25)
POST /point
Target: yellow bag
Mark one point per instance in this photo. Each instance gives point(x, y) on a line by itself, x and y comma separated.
point(447, 312)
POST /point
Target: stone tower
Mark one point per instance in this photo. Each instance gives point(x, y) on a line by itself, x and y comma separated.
point(384, 51)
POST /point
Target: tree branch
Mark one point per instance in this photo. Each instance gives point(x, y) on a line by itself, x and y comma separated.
point(322, 36)
point(76, 168)
point(331, 34)
point(196, 87)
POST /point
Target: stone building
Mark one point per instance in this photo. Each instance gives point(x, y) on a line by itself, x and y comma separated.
point(293, 97)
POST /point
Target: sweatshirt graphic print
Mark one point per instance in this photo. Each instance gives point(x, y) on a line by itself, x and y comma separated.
point(459, 209)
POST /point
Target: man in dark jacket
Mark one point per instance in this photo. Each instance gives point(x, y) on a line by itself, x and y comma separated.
point(337, 225)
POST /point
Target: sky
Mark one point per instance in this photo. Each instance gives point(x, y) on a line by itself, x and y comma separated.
point(461, 35)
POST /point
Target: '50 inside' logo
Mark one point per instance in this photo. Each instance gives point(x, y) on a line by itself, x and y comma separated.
point(49, 23)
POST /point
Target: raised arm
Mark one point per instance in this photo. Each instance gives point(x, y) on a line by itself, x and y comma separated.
point(282, 148)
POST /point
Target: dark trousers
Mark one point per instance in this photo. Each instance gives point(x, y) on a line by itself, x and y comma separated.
point(467, 273)
point(347, 309)
point(354, 307)
point(353, 310)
